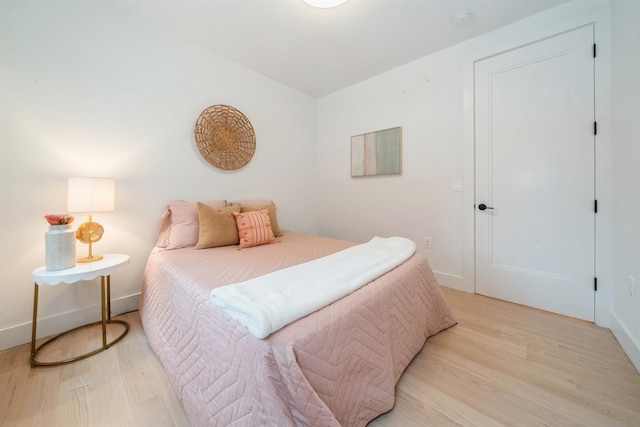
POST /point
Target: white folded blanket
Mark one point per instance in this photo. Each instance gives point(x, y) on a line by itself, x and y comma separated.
point(267, 303)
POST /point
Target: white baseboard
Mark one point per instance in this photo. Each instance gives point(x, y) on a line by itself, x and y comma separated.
point(626, 340)
point(21, 334)
point(450, 280)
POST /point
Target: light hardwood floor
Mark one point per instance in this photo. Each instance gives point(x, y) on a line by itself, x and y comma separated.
point(501, 365)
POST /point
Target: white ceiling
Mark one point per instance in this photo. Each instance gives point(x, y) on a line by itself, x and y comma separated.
point(319, 51)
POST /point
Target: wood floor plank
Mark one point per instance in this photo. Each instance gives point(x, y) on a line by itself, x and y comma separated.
point(515, 365)
point(122, 386)
point(502, 365)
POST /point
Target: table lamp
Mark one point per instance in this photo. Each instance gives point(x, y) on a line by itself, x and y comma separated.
point(90, 195)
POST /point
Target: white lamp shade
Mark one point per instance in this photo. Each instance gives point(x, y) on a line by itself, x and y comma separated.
point(91, 195)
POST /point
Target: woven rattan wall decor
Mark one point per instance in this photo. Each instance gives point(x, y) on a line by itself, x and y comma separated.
point(225, 137)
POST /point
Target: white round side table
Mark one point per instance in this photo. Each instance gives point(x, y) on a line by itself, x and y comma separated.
point(82, 271)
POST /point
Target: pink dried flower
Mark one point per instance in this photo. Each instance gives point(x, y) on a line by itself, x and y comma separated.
point(59, 219)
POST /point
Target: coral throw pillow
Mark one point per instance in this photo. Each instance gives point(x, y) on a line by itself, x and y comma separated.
point(254, 228)
point(271, 208)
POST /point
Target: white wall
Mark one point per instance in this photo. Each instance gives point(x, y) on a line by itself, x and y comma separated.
point(626, 139)
point(432, 100)
point(86, 93)
point(425, 98)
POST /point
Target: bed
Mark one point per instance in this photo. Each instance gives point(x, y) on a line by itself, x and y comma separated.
point(335, 367)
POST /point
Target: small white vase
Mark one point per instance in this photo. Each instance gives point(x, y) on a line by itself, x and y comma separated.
point(60, 247)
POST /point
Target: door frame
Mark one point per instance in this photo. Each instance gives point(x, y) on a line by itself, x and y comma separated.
point(513, 37)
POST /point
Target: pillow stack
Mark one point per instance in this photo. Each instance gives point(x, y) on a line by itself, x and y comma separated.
point(180, 224)
point(217, 223)
point(257, 205)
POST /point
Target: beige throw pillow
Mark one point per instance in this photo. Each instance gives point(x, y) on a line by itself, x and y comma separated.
point(217, 226)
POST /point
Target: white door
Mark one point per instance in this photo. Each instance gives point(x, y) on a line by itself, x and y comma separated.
point(534, 113)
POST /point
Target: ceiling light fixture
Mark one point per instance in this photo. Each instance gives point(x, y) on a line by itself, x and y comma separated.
point(324, 4)
point(462, 18)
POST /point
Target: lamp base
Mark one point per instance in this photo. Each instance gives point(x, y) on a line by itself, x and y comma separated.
point(89, 258)
point(89, 232)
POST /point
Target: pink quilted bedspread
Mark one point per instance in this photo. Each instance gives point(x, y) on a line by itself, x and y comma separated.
point(336, 367)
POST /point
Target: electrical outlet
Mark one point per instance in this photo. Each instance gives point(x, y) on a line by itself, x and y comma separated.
point(427, 242)
point(632, 287)
point(304, 229)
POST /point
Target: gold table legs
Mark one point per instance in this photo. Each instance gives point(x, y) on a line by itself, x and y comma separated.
point(105, 285)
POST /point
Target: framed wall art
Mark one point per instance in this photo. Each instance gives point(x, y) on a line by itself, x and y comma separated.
point(377, 153)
